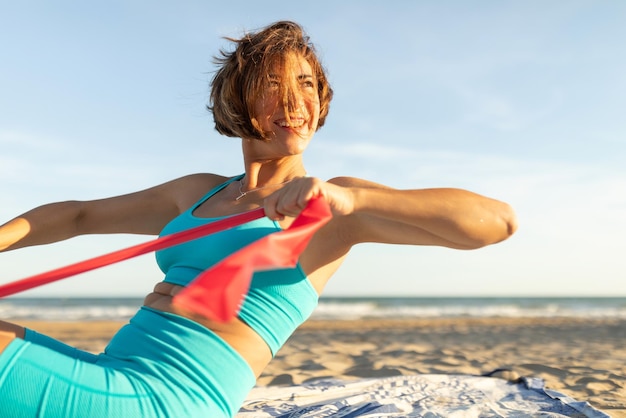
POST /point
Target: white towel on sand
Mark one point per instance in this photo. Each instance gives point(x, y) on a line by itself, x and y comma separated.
point(432, 395)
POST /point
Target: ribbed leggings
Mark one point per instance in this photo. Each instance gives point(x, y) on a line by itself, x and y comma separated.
point(158, 365)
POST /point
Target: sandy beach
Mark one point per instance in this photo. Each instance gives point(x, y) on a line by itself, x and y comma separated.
point(583, 359)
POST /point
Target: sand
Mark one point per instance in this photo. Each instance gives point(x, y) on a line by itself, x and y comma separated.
point(583, 359)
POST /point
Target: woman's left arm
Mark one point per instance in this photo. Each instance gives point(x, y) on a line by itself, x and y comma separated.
point(447, 217)
point(370, 212)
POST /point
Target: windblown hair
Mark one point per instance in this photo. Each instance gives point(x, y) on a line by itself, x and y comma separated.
point(243, 74)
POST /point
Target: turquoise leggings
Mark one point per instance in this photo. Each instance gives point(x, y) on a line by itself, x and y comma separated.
point(158, 365)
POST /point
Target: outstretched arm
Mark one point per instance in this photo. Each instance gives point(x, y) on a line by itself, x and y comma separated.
point(374, 213)
point(143, 212)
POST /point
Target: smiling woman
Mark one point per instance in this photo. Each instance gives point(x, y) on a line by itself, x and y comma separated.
point(273, 66)
point(272, 93)
point(289, 101)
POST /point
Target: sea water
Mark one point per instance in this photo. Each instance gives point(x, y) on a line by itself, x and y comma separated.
point(122, 308)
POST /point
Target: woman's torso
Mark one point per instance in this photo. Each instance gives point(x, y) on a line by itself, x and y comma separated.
point(277, 303)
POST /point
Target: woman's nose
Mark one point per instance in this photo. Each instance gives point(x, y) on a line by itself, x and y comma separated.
point(293, 100)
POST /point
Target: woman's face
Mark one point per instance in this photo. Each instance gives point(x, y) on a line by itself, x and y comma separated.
point(288, 108)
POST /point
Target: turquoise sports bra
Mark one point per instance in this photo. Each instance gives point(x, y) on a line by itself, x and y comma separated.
point(278, 301)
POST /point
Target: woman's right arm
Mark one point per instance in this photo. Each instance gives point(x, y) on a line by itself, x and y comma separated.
point(143, 212)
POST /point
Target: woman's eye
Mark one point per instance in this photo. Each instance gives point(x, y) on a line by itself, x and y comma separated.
point(272, 83)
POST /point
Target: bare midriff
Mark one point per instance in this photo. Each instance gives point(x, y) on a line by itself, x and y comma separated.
point(235, 333)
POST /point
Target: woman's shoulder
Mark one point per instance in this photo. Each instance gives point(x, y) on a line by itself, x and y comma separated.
point(189, 188)
point(202, 180)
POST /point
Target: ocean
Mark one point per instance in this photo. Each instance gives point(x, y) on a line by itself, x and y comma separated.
point(122, 308)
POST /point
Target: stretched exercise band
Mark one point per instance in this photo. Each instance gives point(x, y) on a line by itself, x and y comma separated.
point(228, 282)
point(126, 253)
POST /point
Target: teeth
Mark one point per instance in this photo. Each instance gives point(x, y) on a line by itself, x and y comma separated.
point(286, 124)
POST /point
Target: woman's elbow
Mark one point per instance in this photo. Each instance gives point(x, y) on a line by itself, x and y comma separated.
point(502, 226)
point(506, 220)
point(510, 221)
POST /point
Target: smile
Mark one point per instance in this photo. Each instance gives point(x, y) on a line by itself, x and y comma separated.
point(295, 123)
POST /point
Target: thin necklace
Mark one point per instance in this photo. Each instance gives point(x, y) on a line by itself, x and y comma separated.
point(242, 193)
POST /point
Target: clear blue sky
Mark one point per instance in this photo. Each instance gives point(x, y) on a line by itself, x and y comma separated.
point(522, 101)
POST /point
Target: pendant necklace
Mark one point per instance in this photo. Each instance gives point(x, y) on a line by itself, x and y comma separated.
point(242, 193)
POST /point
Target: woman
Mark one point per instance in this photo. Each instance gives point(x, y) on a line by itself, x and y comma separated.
point(271, 92)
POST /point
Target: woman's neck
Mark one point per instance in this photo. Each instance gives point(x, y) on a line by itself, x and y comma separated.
point(261, 174)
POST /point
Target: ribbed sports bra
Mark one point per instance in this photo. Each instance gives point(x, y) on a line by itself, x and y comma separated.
point(278, 300)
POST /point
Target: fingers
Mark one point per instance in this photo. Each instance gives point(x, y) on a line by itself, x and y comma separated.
point(293, 198)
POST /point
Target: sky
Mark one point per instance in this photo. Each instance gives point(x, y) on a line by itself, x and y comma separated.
point(520, 101)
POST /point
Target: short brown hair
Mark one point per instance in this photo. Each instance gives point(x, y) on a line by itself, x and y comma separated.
point(242, 74)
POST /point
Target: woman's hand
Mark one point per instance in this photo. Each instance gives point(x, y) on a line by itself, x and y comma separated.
point(291, 199)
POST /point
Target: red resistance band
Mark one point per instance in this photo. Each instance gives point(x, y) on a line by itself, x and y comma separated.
point(224, 281)
point(219, 291)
